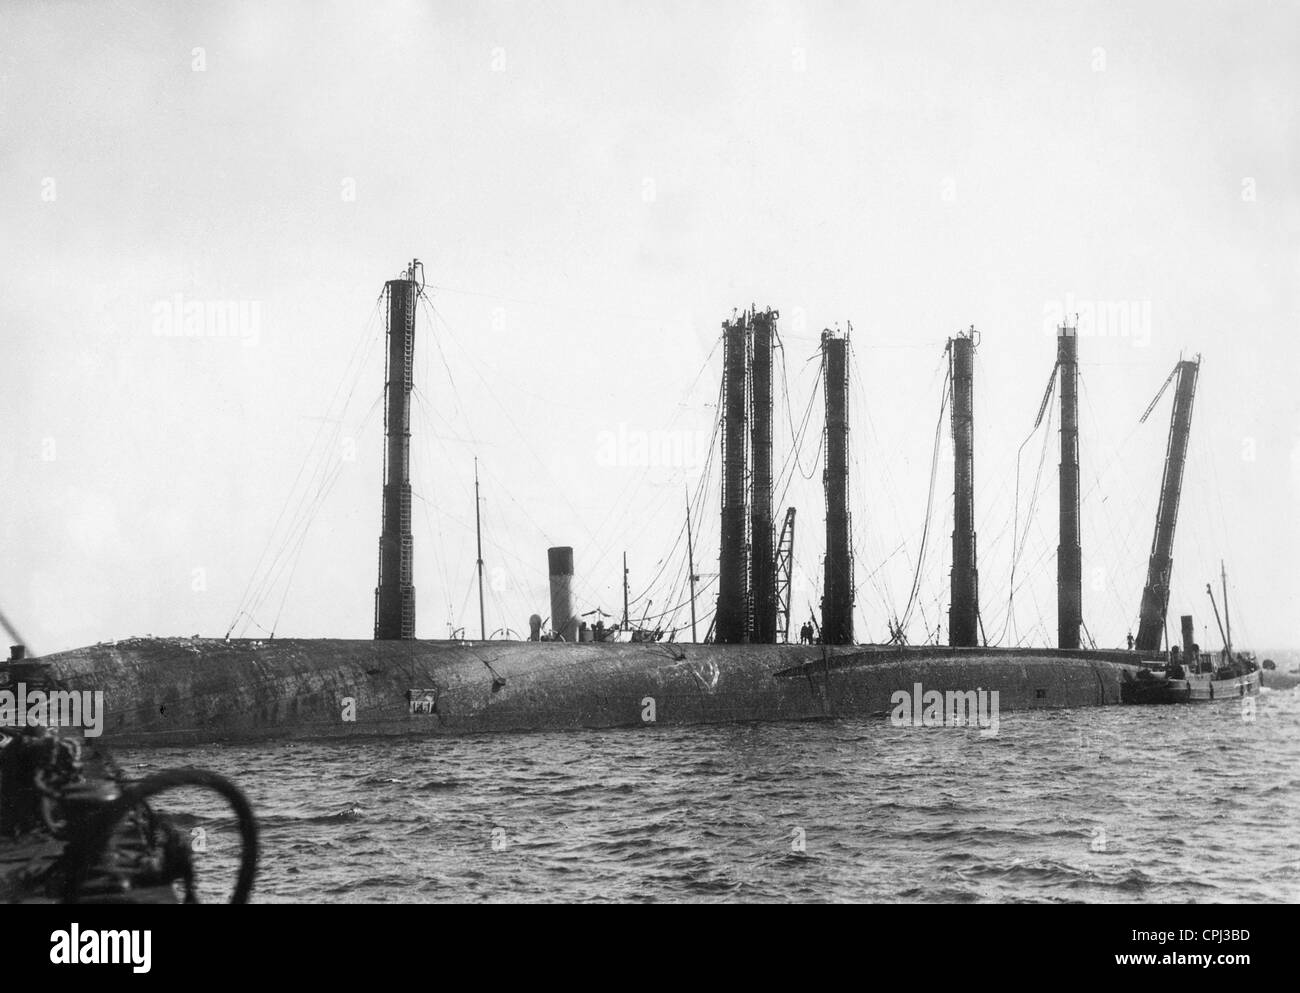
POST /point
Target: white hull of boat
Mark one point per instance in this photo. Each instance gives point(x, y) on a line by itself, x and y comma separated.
point(1203, 689)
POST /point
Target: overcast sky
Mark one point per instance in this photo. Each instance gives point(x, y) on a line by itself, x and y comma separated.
point(593, 188)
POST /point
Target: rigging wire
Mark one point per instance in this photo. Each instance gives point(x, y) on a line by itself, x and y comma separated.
point(1017, 544)
point(929, 506)
point(697, 508)
point(317, 457)
point(322, 494)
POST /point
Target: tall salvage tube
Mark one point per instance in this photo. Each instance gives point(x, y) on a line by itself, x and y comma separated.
point(762, 582)
point(837, 581)
point(1069, 556)
point(963, 610)
point(1155, 596)
point(732, 621)
point(395, 594)
point(564, 623)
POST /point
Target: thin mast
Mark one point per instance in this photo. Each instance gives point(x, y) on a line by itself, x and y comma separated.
point(625, 591)
point(690, 560)
point(1209, 589)
point(1227, 619)
point(478, 530)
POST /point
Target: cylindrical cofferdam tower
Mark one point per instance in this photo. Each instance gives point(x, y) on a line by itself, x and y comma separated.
point(564, 623)
point(963, 609)
point(1155, 596)
point(762, 562)
point(395, 594)
point(1069, 556)
point(837, 580)
point(731, 625)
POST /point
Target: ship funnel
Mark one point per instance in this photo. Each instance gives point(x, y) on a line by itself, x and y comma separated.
point(1189, 639)
point(564, 623)
point(534, 628)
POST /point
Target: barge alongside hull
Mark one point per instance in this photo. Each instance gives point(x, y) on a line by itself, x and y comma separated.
point(191, 691)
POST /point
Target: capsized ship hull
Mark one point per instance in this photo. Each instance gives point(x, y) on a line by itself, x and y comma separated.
point(188, 691)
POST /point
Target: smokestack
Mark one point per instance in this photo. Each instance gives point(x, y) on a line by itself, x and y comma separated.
point(564, 623)
point(1189, 639)
point(837, 581)
point(395, 594)
point(1155, 596)
point(762, 582)
point(1069, 556)
point(732, 620)
point(963, 610)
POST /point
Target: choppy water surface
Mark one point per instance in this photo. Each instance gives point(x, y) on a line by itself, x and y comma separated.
point(1162, 804)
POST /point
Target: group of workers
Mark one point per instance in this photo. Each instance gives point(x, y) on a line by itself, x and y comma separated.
point(809, 635)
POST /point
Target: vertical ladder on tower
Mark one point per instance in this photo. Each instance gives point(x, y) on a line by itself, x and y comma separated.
point(404, 510)
point(407, 567)
point(408, 344)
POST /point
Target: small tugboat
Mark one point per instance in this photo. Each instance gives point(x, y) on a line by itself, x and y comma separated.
point(1194, 676)
point(1211, 680)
